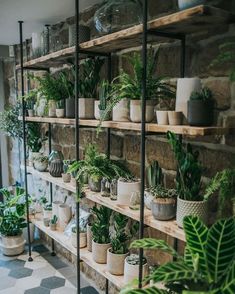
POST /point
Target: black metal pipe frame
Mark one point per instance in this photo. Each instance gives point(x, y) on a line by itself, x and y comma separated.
point(143, 133)
point(24, 136)
point(77, 141)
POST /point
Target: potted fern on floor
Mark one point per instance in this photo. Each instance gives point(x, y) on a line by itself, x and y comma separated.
point(100, 233)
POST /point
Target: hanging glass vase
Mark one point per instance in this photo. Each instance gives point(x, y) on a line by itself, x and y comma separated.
point(114, 15)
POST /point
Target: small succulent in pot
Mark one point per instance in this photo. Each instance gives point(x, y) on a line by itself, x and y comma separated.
point(53, 222)
point(41, 163)
point(201, 108)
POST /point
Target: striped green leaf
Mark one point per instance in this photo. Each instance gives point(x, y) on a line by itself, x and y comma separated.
point(217, 291)
point(173, 271)
point(191, 259)
point(229, 287)
point(196, 236)
point(220, 248)
point(152, 290)
point(150, 243)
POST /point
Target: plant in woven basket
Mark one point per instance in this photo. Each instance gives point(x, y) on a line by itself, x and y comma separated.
point(208, 265)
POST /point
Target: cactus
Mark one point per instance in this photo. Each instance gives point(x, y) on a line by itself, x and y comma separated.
point(54, 220)
point(154, 175)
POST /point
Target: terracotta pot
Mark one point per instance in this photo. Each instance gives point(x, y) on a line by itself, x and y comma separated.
point(99, 252)
point(163, 209)
point(11, 246)
point(115, 263)
point(82, 237)
point(53, 227)
point(200, 113)
point(185, 4)
point(52, 108)
point(125, 190)
point(66, 178)
point(195, 208)
point(136, 113)
point(121, 111)
point(89, 238)
point(162, 117)
point(65, 214)
point(55, 207)
point(86, 108)
point(94, 186)
point(60, 113)
point(175, 118)
point(131, 272)
point(70, 108)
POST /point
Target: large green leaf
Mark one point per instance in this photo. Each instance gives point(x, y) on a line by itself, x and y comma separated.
point(172, 272)
point(217, 291)
point(229, 286)
point(150, 243)
point(152, 290)
point(196, 236)
point(220, 248)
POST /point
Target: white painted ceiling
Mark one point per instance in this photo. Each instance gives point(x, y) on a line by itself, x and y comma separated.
point(35, 14)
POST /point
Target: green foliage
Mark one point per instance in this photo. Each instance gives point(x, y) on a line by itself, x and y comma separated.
point(161, 192)
point(226, 55)
point(224, 182)
point(104, 94)
point(100, 226)
point(204, 95)
point(54, 220)
point(208, 265)
point(90, 77)
point(34, 137)
point(30, 98)
point(154, 175)
point(12, 212)
point(189, 170)
point(67, 84)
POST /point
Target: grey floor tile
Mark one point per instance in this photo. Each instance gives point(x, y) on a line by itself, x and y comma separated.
point(89, 290)
point(20, 273)
point(37, 290)
point(55, 261)
point(40, 249)
point(15, 264)
point(7, 282)
point(53, 282)
point(67, 271)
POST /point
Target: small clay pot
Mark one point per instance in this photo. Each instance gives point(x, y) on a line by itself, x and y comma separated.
point(162, 117)
point(66, 178)
point(175, 118)
point(115, 263)
point(53, 227)
point(99, 252)
point(30, 112)
point(59, 113)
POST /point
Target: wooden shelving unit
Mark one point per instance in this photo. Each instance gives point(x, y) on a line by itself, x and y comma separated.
point(130, 126)
point(183, 22)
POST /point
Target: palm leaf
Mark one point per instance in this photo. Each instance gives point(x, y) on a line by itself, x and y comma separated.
point(220, 248)
point(196, 236)
point(152, 290)
point(150, 243)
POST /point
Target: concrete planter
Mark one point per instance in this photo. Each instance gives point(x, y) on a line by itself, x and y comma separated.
point(86, 108)
point(98, 113)
point(83, 239)
point(89, 238)
point(11, 246)
point(70, 108)
point(175, 118)
point(94, 186)
point(30, 112)
point(200, 113)
point(99, 252)
point(195, 208)
point(131, 272)
point(65, 214)
point(162, 117)
point(60, 113)
point(121, 111)
point(52, 108)
point(163, 209)
point(185, 4)
point(115, 263)
point(136, 112)
point(125, 190)
point(66, 178)
point(39, 165)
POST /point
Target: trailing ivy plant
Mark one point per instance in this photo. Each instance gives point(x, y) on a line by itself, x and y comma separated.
point(189, 170)
point(208, 265)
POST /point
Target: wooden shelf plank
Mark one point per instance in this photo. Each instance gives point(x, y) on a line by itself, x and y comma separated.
point(188, 21)
point(168, 227)
point(85, 255)
point(129, 126)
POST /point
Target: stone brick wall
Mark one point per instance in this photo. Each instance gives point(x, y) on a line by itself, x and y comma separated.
point(216, 153)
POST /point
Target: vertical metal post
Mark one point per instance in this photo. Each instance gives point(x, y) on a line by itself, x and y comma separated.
point(107, 286)
point(77, 45)
point(108, 129)
point(143, 132)
point(24, 134)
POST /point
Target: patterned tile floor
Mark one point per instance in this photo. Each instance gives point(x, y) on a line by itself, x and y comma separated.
point(45, 275)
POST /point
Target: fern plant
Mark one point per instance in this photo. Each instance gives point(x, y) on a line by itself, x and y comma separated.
point(208, 265)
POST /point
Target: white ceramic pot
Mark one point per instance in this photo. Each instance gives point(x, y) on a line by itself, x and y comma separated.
point(162, 117)
point(66, 178)
point(115, 263)
point(125, 190)
point(60, 113)
point(30, 112)
point(99, 252)
point(195, 208)
point(65, 214)
point(175, 118)
point(11, 246)
point(31, 230)
point(86, 108)
point(185, 87)
point(185, 4)
point(89, 238)
point(131, 272)
point(97, 110)
point(135, 110)
point(52, 108)
point(55, 207)
point(121, 111)
point(47, 213)
point(148, 198)
point(82, 237)
point(40, 166)
point(32, 156)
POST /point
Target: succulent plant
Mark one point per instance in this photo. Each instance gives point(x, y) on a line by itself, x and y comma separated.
point(134, 259)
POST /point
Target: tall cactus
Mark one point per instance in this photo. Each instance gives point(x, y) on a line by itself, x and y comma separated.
point(154, 175)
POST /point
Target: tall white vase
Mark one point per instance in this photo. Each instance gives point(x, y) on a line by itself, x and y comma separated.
point(185, 87)
point(65, 214)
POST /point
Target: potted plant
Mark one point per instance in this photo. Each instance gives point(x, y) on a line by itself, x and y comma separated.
point(12, 222)
point(53, 223)
point(41, 163)
point(66, 176)
point(119, 247)
point(207, 265)
point(125, 187)
point(154, 178)
point(56, 163)
point(100, 232)
point(41, 202)
point(47, 211)
point(87, 85)
point(201, 108)
point(185, 4)
point(65, 215)
point(82, 237)
point(60, 108)
point(30, 100)
point(101, 104)
point(188, 181)
point(131, 268)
